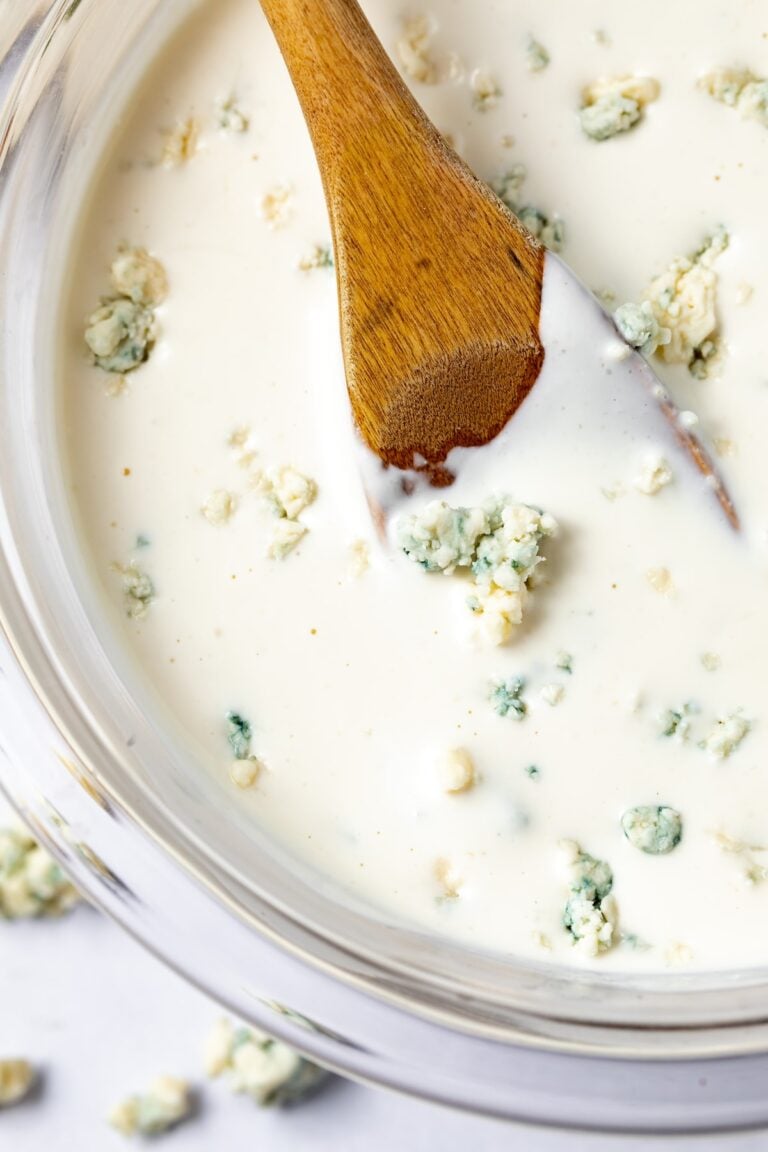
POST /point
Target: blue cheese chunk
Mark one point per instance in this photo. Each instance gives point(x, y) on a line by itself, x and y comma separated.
point(590, 914)
point(640, 328)
point(497, 544)
point(122, 331)
point(613, 105)
point(165, 1105)
point(726, 736)
point(653, 828)
point(508, 186)
point(255, 1064)
point(31, 883)
point(740, 89)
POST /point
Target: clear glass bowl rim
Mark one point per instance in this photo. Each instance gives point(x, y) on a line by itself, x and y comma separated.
point(85, 776)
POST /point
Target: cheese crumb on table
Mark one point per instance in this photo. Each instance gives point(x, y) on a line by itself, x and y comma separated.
point(32, 884)
point(17, 1078)
point(166, 1104)
point(269, 1071)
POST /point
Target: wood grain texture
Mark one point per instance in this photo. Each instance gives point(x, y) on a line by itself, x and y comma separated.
point(439, 286)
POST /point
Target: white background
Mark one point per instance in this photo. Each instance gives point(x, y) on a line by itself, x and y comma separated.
point(101, 1018)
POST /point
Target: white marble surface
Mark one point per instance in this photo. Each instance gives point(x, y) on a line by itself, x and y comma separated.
point(101, 1017)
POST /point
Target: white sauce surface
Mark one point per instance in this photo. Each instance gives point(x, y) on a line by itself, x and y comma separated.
point(357, 685)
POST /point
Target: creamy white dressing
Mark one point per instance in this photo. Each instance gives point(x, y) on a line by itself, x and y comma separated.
point(359, 680)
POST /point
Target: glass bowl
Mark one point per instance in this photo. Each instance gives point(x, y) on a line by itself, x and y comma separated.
point(151, 840)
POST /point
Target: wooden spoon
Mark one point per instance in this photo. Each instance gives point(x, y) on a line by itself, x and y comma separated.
point(439, 285)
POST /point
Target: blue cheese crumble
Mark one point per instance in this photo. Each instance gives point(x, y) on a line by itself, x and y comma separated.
point(682, 302)
point(122, 331)
point(255, 1064)
point(17, 1078)
point(653, 828)
point(508, 186)
point(740, 89)
point(613, 105)
point(138, 589)
point(536, 55)
point(590, 914)
point(31, 883)
point(640, 328)
point(507, 697)
point(167, 1103)
point(289, 492)
point(230, 116)
point(726, 736)
point(246, 768)
point(497, 544)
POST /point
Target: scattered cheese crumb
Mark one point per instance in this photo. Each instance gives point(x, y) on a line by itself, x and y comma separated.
point(486, 92)
point(277, 206)
point(139, 276)
point(320, 256)
point(245, 773)
point(710, 661)
point(552, 694)
point(31, 883)
point(726, 736)
point(231, 117)
point(744, 293)
point(740, 89)
point(724, 447)
point(167, 1103)
point(683, 300)
point(498, 543)
point(615, 104)
point(660, 579)
point(16, 1080)
point(448, 878)
point(590, 914)
point(138, 589)
point(536, 55)
point(265, 1069)
point(413, 50)
point(654, 475)
point(361, 557)
point(640, 328)
point(285, 536)
point(180, 143)
point(219, 507)
point(457, 770)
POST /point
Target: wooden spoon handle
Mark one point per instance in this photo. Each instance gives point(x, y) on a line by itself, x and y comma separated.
point(344, 79)
point(439, 285)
